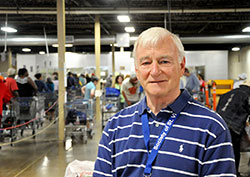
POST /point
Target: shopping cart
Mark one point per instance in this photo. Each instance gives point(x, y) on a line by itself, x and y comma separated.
point(76, 120)
point(110, 104)
point(50, 107)
point(9, 121)
point(28, 109)
point(40, 110)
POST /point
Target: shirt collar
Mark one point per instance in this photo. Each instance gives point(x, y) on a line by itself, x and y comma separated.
point(176, 106)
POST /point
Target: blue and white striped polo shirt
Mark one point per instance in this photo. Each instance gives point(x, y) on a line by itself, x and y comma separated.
point(198, 144)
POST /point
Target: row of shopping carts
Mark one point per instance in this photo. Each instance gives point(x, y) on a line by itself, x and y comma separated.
point(25, 114)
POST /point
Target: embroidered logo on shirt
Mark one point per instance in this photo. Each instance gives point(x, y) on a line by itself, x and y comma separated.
point(181, 148)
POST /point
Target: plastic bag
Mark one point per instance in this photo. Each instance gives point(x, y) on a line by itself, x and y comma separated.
point(78, 168)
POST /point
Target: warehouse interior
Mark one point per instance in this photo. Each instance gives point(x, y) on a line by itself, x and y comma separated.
point(215, 35)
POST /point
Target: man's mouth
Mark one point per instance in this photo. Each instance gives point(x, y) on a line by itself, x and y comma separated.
point(159, 81)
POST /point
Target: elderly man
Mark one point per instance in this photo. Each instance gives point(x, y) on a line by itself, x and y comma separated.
point(167, 133)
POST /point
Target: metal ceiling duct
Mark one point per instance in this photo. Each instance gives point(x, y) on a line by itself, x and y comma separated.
point(106, 40)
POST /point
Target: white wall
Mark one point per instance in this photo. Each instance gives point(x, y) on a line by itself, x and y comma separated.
point(215, 62)
point(27, 61)
point(124, 60)
point(239, 62)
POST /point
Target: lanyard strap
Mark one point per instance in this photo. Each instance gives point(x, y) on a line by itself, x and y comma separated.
point(158, 143)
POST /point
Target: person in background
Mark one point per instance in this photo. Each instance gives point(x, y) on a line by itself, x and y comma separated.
point(5, 95)
point(50, 84)
point(76, 80)
point(11, 82)
point(131, 90)
point(242, 77)
point(192, 82)
point(26, 86)
point(89, 90)
point(70, 81)
point(202, 83)
point(82, 80)
point(234, 108)
point(41, 85)
point(54, 75)
point(168, 133)
point(88, 78)
point(89, 94)
point(56, 83)
point(118, 85)
point(108, 81)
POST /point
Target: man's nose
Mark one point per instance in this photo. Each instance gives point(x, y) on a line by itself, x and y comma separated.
point(155, 68)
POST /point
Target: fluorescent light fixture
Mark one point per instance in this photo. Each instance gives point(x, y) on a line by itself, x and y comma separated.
point(123, 18)
point(247, 29)
point(235, 49)
point(66, 45)
point(41, 52)
point(8, 29)
point(114, 45)
point(129, 29)
point(26, 49)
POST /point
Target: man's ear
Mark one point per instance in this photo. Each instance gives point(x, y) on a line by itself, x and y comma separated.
point(183, 65)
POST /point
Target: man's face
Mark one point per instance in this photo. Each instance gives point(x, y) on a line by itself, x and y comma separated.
point(158, 68)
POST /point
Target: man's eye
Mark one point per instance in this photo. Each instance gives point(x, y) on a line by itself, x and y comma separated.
point(164, 62)
point(146, 63)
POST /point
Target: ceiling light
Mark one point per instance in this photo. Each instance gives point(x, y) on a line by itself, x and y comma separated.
point(247, 29)
point(26, 49)
point(235, 49)
point(114, 45)
point(130, 29)
point(66, 45)
point(123, 18)
point(8, 29)
point(41, 52)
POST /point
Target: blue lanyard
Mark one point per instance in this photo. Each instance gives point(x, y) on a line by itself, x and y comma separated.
point(158, 143)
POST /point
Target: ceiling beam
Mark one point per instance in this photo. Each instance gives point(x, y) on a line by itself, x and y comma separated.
point(88, 11)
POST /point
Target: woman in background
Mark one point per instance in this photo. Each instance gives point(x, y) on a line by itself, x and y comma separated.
point(118, 85)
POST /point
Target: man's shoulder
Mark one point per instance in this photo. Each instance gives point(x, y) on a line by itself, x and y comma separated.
point(205, 116)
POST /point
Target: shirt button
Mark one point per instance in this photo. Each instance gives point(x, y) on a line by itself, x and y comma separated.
point(156, 124)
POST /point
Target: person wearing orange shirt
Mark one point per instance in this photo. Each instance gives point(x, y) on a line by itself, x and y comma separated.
point(11, 82)
point(5, 96)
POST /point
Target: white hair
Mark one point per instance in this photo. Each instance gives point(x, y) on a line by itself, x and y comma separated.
point(152, 36)
point(11, 71)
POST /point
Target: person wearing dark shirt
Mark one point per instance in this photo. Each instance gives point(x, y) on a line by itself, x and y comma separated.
point(26, 86)
point(234, 107)
point(41, 86)
point(70, 81)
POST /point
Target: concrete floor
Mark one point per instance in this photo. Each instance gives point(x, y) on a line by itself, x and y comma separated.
point(45, 156)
